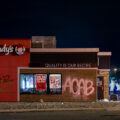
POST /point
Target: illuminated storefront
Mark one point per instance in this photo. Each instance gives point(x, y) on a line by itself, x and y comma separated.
point(52, 74)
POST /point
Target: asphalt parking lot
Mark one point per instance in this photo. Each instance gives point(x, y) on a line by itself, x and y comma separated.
point(63, 115)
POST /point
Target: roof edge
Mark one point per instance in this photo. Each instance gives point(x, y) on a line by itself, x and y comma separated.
point(64, 50)
point(104, 53)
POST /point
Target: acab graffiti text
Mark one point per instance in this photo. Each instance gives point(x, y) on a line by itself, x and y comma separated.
point(83, 86)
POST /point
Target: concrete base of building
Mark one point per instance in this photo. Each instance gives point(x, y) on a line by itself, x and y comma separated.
point(57, 106)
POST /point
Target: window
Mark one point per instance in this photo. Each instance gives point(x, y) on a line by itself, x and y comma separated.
point(26, 83)
point(114, 85)
point(55, 83)
point(40, 83)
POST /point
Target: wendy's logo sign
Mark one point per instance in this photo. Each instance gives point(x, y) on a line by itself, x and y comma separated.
point(6, 50)
point(20, 49)
point(13, 49)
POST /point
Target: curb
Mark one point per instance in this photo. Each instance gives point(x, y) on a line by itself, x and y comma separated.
point(113, 109)
point(50, 110)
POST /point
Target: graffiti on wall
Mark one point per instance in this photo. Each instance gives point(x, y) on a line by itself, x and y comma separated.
point(5, 81)
point(84, 87)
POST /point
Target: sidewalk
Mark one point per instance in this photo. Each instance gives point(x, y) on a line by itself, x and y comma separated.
point(57, 106)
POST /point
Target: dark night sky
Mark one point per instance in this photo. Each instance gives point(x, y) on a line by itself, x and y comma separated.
point(75, 24)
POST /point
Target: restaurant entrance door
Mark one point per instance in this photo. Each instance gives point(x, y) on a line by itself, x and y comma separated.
point(100, 87)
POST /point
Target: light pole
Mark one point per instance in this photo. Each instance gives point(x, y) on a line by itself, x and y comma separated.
point(115, 69)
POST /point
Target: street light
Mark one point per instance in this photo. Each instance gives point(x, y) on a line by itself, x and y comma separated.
point(115, 70)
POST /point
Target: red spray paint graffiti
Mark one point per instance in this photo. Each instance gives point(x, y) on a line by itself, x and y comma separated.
point(83, 85)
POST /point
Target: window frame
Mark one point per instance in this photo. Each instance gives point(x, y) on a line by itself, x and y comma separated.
point(47, 84)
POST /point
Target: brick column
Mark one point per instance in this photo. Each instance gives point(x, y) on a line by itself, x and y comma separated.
point(105, 74)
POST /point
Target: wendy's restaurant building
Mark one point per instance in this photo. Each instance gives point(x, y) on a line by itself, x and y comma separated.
point(34, 69)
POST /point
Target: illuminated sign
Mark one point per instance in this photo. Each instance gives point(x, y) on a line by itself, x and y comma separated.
point(55, 80)
point(19, 49)
point(41, 81)
point(6, 49)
